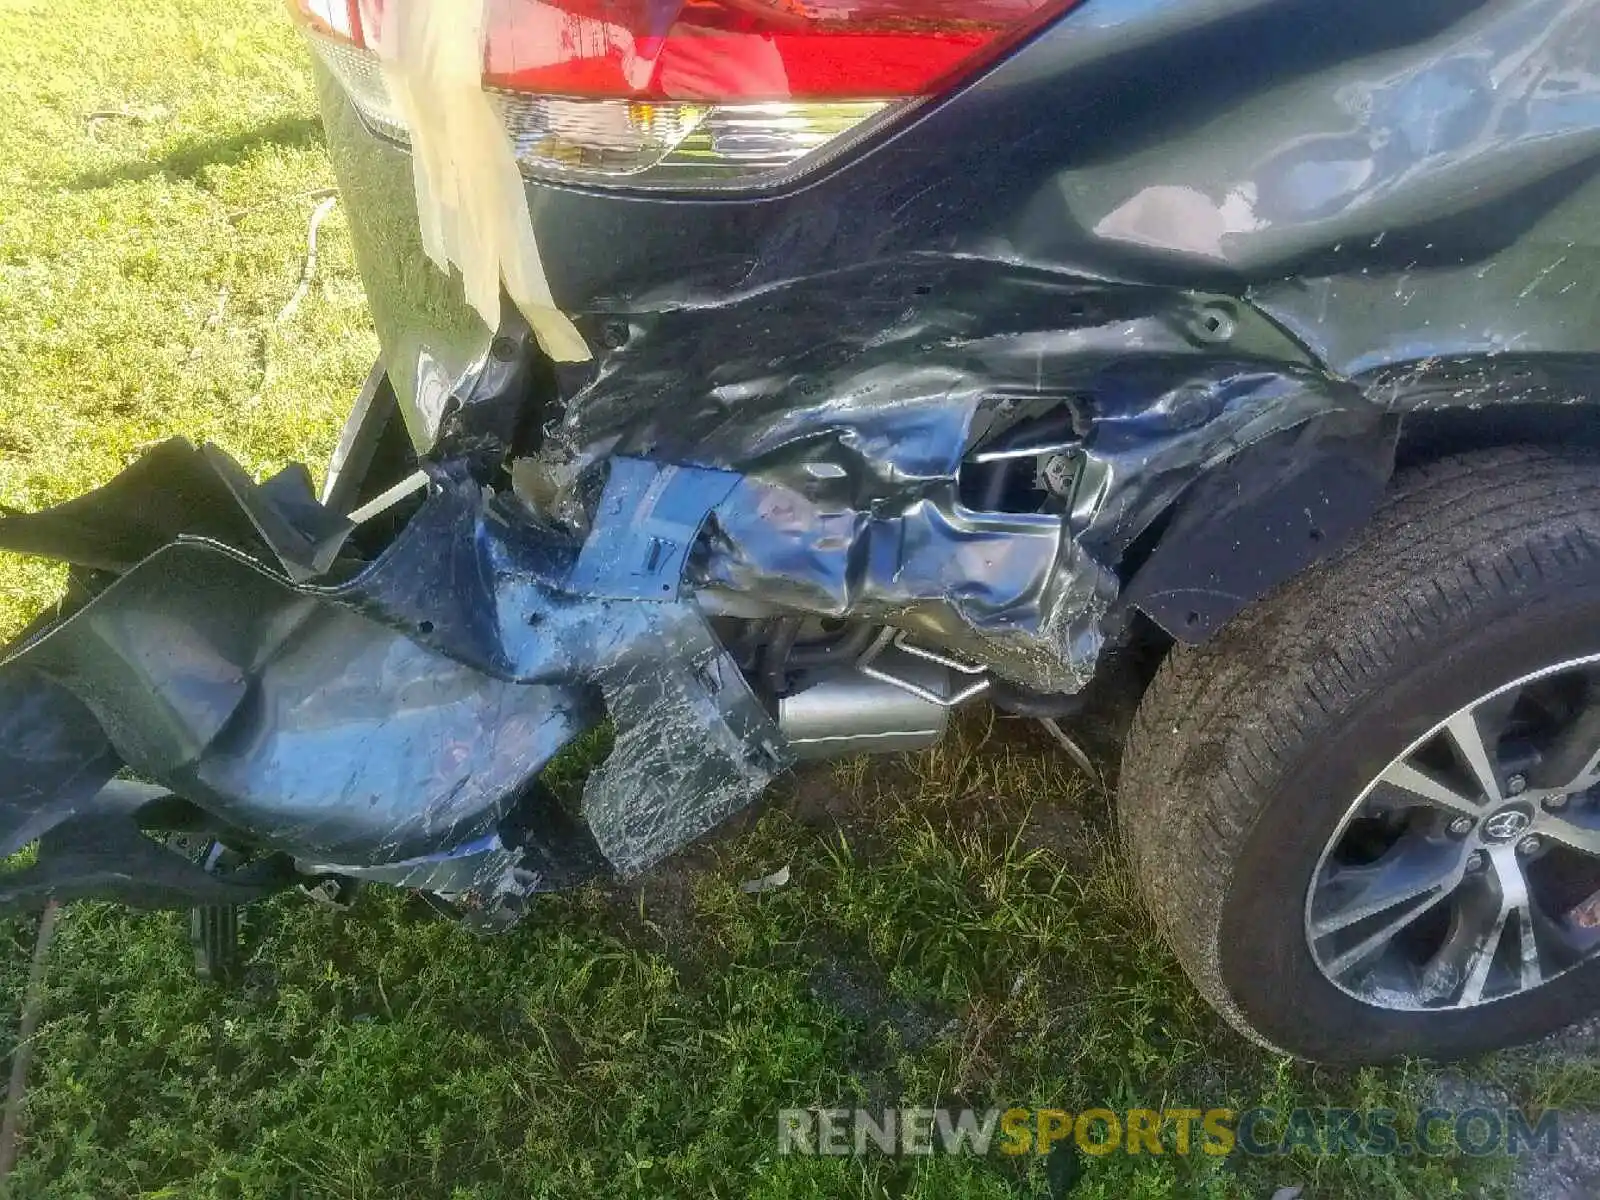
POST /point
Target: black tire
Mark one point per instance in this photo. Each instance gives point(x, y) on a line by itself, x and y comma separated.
point(1248, 751)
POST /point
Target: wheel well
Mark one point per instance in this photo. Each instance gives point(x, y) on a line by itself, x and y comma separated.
point(1432, 434)
point(1424, 436)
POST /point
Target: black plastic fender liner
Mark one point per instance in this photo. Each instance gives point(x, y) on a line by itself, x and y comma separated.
point(102, 852)
point(1274, 509)
point(395, 726)
point(294, 719)
point(59, 792)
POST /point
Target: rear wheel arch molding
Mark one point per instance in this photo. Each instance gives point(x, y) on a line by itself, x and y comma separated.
point(1278, 506)
point(1249, 525)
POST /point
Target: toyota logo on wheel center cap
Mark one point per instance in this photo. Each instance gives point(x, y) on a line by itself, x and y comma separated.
point(1506, 824)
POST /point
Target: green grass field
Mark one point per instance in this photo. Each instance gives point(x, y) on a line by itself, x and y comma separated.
point(957, 929)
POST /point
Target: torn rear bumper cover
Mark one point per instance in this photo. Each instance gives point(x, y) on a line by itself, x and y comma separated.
point(389, 720)
point(392, 725)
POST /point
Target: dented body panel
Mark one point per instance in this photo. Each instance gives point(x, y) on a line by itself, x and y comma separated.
point(1386, 205)
point(1137, 321)
point(1392, 184)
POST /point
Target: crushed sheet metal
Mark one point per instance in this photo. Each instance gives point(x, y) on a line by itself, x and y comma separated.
point(1008, 590)
point(469, 192)
point(849, 429)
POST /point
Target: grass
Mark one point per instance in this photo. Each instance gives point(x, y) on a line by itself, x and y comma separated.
point(957, 929)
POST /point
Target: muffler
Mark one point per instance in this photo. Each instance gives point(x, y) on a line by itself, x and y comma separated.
point(844, 711)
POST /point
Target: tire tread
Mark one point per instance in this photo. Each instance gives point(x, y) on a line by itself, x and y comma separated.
point(1222, 724)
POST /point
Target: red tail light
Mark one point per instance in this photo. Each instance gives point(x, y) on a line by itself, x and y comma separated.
point(734, 50)
point(708, 91)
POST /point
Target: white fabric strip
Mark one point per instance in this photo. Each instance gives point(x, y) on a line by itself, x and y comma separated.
point(470, 198)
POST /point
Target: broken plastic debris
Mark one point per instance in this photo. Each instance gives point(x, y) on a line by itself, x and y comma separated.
point(767, 883)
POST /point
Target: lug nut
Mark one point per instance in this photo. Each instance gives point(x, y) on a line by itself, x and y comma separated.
point(1557, 803)
point(1476, 861)
point(1461, 826)
point(1529, 845)
point(1517, 784)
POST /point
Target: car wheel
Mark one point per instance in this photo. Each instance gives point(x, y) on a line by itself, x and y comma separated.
point(1366, 815)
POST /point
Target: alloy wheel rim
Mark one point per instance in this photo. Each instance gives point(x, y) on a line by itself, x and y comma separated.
point(1468, 870)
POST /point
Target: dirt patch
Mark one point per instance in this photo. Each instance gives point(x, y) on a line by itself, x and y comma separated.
point(657, 911)
point(1065, 832)
point(1573, 1172)
point(867, 1000)
point(828, 796)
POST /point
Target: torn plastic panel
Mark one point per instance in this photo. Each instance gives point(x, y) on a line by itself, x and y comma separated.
point(52, 748)
point(61, 794)
point(393, 726)
point(989, 382)
point(177, 490)
point(104, 852)
point(292, 718)
point(373, 452)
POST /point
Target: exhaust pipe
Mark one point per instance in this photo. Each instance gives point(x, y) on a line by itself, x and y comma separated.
point(844, 712)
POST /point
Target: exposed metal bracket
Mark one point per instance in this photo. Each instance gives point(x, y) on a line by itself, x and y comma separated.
point(388, 498)
point(898, 639)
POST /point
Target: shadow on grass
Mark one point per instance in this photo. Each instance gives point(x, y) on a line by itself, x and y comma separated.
point(188, 159)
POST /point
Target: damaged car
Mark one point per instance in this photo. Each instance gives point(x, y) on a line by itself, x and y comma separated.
point(764, 380)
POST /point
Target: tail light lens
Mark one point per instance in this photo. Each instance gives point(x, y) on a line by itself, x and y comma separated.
point(692, 93)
